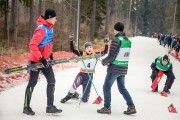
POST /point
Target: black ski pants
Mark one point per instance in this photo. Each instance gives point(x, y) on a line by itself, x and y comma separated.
point(49, 74)
point(169, 80)
point(83, 79)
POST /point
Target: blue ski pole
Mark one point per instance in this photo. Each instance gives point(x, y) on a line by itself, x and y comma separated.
point(90, 77)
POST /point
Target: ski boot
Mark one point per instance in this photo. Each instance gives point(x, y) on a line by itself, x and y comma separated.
point(69, 96)
point(156, 90)
point(130, 110)
point(76, 95)
point(53, 110)
point(28, 111)
point(104, 110)
point(166, 90)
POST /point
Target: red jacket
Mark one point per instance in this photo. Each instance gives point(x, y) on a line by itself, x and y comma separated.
point(37, 53)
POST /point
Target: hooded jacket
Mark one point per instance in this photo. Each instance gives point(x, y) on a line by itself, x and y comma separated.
point(37, 53)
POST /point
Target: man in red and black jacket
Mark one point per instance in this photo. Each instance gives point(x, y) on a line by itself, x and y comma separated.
point(41, 51)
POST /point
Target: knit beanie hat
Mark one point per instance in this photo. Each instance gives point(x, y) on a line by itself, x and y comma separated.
point(49, 13)
point(166, 58)
point(119, 26)
point(87, 44)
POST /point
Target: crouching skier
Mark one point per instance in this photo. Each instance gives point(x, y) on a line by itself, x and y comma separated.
point(86, 69)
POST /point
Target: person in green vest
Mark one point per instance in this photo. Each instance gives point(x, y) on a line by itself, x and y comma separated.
point(117, 62)
point(163, 64)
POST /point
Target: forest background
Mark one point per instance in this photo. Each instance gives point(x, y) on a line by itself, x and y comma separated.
point(97, 17)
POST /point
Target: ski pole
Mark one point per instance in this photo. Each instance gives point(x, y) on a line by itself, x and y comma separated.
point(90, 76)
point(90, 79)
point(71, 36)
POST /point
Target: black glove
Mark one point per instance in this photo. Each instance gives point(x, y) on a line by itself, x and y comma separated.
point(153, 66)
point(104, 63)
point(51, 56)
point(156, 71)
point(106, 39)
point(71, 36)
point(45, 63)
point(97, 55)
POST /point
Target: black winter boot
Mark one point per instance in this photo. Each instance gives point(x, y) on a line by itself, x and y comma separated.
point(76, 95)
point(28, 111)
point(69, 96)
point(166, 89)
point(53, 109)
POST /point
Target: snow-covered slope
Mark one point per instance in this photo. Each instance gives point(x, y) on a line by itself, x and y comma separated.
point(149, 105)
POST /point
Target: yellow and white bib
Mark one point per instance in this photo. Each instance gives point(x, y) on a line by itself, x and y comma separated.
point(88, 64)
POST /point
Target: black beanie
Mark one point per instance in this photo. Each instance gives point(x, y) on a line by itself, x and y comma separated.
point(87, 44)
point(49, 13)
point(119, 26)
point(165, 58)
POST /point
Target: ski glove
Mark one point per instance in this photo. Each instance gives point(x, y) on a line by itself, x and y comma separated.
point(71, 36)
point(45, 63)
point(156, 72)
point(153, 66)
point(97, 55)
point(104, 63)
point(106, 39)
point(51, 56)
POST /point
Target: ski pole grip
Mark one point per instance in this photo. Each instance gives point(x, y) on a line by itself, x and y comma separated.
point(106, 39)
point(71, 36)
point(97, 56)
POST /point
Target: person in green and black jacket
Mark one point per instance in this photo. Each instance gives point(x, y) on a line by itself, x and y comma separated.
point(117, 62)
point(164, 64)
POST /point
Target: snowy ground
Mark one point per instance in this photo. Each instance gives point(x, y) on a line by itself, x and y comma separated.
point(150, 106)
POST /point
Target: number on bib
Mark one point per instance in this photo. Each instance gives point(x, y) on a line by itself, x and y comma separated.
point(126, 54)
point(88, 65)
